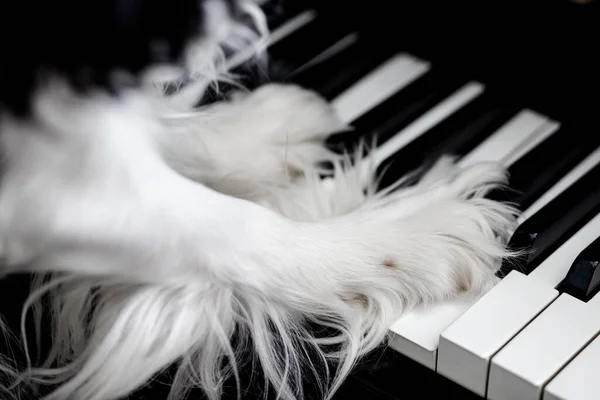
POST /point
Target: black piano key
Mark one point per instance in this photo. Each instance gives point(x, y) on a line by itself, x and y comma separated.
point(545, 231)
point(337, 73)
point(307, 42)
point(458, 134)
point(284, 59)
point(334, 49)
point(276, 68)
point(583, 279)
point(538, 170)
point(278, 13)
point(397, 112)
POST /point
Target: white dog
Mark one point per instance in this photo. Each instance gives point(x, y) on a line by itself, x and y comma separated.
point(168, 231)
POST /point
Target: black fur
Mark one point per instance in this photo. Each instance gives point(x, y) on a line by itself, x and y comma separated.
point(86, 40)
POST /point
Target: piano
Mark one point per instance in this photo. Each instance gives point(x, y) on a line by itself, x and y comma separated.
point(509, 81)
point(501, 80)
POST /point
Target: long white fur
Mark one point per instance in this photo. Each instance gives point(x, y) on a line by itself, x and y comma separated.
point(175, 230)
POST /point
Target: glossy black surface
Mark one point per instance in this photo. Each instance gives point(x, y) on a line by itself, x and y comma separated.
point(537, 52)
point(583, 279)
point(400, 110)
point(542, 167)
point(458, 134)
point(556, 222)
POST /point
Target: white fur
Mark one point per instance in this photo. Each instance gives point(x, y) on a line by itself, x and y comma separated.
point(181, 265)
point(176, 232)
point(253, 142)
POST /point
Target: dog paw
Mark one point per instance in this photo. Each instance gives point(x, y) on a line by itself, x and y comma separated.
point(431, 242)
point(266, 138)
point(285, 114)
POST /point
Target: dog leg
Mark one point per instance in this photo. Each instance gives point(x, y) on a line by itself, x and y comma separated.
point(177, 268)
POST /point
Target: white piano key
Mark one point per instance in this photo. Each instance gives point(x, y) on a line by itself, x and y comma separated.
point(520, 370)
point(571, 177)
point(467, 346)
point(579, 379)
point(378, 85)
point(457, 345)
point(509, 141)
point(422, 124)
point(531, 142)
point(477, 335)
point(419, 331)
point(409, 349)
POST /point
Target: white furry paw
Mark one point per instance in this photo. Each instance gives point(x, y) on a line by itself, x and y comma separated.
point(286, 113)
point(429, 242)
point(455, 232)
point(267, 138)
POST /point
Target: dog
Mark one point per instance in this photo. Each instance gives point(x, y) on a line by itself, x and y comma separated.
point(160, 233)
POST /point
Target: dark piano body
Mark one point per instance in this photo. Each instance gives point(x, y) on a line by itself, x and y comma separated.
point(536, 54)
point(539, 52)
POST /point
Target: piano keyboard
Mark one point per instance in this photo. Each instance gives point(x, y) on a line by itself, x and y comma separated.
point(535, 334)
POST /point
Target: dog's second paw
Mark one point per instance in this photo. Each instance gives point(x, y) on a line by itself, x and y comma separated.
point(285, 114)
point(265, 139)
